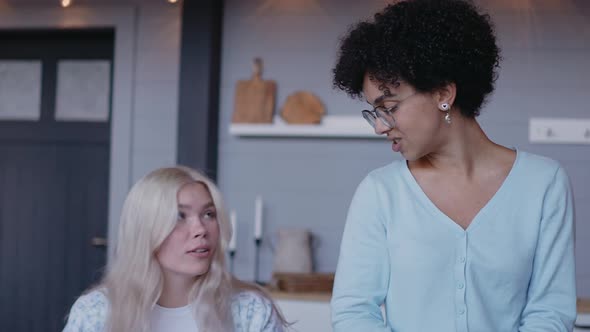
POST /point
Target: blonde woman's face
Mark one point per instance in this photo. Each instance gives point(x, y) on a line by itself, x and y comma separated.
point(190, 248)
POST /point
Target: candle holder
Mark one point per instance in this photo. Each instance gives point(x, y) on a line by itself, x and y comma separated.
point(232, 255)
point(257, 242)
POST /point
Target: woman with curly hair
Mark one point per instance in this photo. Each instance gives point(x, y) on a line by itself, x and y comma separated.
point(463, 234)
point(168, 272)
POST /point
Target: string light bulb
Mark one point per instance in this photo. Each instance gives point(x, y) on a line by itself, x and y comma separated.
point(172, 1)
point(66, 3)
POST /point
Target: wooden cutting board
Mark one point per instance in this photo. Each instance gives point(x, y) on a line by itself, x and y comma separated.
point(584, 305)
point(303, 282)
point(303, 107)
point(255, 98)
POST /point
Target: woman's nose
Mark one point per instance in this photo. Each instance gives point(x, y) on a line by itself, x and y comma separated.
point(197, 228)
point(380, 127)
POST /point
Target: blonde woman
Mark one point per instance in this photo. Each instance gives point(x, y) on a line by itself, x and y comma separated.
point(168, 272)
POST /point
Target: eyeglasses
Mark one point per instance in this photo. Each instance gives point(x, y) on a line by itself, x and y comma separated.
point(383, 114)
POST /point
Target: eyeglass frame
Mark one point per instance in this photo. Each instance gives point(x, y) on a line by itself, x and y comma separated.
point(372, 115)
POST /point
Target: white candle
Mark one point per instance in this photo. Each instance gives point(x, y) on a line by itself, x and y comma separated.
point(234, 231)
point(258, 218)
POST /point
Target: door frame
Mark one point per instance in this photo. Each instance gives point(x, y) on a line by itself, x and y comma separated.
point(123, 20)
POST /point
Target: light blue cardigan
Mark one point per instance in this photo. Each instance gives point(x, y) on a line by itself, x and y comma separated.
point(511, 270)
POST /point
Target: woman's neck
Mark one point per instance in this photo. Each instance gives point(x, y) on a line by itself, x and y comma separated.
point(175, 291)
point(465, 149)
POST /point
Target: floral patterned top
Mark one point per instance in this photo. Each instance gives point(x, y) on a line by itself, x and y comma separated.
point(251, 312)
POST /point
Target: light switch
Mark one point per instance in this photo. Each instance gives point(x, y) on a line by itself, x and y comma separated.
point(559, 131)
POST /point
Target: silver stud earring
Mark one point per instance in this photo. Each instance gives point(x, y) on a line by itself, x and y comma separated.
point(444, 107)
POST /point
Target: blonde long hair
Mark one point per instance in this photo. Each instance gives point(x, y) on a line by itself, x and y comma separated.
point(134, 280)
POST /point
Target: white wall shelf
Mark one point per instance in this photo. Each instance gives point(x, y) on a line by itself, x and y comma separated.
point(332, 126)
point(559, 131)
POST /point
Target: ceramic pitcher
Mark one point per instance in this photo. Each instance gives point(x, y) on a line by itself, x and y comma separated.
point(293, 251)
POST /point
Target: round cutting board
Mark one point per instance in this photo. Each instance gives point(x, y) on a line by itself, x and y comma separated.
point(303, 107)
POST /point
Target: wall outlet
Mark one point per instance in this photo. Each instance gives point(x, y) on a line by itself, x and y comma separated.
point(559, 131)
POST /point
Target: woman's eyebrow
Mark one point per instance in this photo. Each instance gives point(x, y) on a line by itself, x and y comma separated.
point(188, 206)
point(380, 99)
point(208, 205)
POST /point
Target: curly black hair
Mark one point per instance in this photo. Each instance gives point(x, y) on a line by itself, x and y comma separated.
point(426, 43)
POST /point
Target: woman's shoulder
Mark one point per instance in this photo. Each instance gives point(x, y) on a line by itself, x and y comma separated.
point(383, 179)
point(251, 299)
point(537, 162)
point(393, 167)
point(386, 175)
point(254, 311)
point(88, 313)
point(539, 169)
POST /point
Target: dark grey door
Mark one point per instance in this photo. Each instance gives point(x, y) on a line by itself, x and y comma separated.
point(54, 177)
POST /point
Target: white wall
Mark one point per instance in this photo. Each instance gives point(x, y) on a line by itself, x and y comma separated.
point(156, 88)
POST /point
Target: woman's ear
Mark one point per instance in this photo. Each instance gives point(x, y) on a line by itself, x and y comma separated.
point(446, 94)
